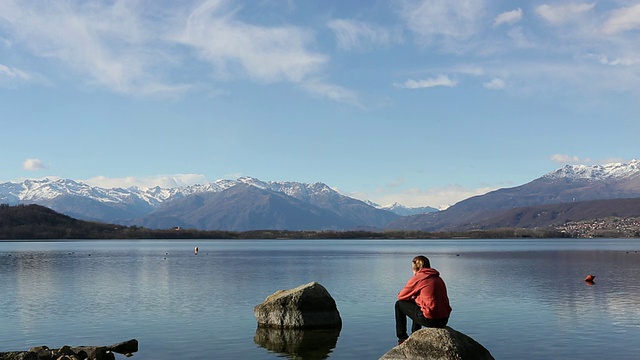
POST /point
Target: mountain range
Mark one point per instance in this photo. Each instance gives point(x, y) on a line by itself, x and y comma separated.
point(238, 205)
point(570, 184)
point(251, 204)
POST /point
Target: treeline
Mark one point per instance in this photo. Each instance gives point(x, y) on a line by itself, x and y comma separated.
point(35, 222)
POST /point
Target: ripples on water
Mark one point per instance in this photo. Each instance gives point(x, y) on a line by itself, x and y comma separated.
point(520, 299)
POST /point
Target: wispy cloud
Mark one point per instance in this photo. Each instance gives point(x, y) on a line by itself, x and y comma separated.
point(357, 35)
point(10, 76)
point(132, 48)
point(560, 13)
point(508, 17)
point(576, 160)
point(33, 165)
point(623, 61)
point(106, 41)
point(332, 92)
point(442, 80)
point(569, 159)
point(236, 48)
point(439, 197)
point(495, 84)
point(431, 19)
point(13, 73)
point(623, 19)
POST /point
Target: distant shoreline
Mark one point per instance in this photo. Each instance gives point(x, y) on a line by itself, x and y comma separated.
point(38, 223)
point(172, 235)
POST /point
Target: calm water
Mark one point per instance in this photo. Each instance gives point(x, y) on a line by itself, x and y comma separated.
point(519, 298)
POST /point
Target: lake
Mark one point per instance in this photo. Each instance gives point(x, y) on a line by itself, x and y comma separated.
point(521, 299)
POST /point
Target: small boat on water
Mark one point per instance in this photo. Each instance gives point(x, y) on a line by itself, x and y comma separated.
point(195, 250)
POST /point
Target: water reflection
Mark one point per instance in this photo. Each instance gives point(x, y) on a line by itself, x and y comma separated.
point(507, 295)
point(308, 344)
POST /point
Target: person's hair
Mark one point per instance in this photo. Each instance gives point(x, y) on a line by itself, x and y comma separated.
point(420, 262)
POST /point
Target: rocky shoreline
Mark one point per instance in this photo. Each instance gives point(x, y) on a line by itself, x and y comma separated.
point(126, 348)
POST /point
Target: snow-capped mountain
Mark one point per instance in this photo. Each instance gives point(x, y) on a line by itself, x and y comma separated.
point(596, 172)
point(49, 189)
point(569, 184)
point(402, 210)
point(119, 205)
point(286, 204)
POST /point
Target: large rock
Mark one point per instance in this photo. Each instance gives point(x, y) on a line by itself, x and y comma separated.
point(438, 344)
point(307, 306)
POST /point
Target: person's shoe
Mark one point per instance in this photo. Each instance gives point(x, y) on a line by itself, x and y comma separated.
point(400, 342)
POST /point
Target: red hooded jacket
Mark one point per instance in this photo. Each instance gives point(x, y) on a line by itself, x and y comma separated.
point(428, 290)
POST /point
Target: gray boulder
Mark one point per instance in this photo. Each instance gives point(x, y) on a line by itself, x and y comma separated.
point(438, 344)
point(307, 306)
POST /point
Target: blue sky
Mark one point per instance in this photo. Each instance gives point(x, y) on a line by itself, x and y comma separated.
point(421, 102)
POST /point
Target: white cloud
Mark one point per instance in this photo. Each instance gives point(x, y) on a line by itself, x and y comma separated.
point(163, 181)
point(352, 34)
point(12, 76)
point(440, 198)
point(495, 84)
point(106, 41)
point(622, 61)
point(236, 48)
point(442, 80)
point(569, 159)
point(452, 19)
point(33, 165)
point(472, 70)
point(623, 19)
point(560, 13)
point(331, 92)
point(119, 45)
point(14, 73)
point(508, 17)
point(576, 160)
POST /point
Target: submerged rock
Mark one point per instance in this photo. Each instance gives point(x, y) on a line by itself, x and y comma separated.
point(438, 343)
point(307, 306)
point(298, 343)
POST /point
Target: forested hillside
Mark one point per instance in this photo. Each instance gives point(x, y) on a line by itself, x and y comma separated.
point(33, 222)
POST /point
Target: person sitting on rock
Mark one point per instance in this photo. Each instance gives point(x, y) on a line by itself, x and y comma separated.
point(424, 299)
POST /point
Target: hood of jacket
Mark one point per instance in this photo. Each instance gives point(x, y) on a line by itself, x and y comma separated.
point(427, 272)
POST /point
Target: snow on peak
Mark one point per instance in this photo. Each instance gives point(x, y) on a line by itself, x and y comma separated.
point(49, 189)
point(597, 172)
point(52, 188)
point(393, 206)
point(402, 210)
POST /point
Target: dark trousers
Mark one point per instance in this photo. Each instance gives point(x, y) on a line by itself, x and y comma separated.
point(412, 310)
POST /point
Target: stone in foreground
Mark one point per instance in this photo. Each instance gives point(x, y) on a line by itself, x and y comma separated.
point(74, 353)
point(438, 344)
point(307, 306)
